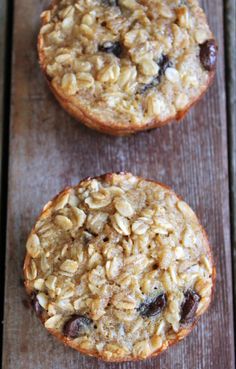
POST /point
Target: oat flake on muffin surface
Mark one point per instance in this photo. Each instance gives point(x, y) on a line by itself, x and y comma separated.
point(119, 267)
point(121, 66)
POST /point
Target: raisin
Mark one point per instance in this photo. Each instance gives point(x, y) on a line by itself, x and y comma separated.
point(189, 306)
point(163, 64)
point(75, 325)
point(153, 308)
point(152, 84)
point(36, 305)
point(111, 47)
point(110, 2)
point(208, 55)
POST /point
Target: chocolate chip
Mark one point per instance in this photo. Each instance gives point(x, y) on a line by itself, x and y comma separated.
point(36, 306)
point(111, 47)
point(75, 325)
point(153, 308)
point(208, 55)
point(189, 306)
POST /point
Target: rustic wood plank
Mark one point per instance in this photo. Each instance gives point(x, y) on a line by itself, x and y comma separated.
point(49, 151)
point(3, 145)
point(3, 22)
point(230, 22)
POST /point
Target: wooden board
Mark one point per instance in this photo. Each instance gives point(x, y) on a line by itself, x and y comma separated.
point(3, 145)
point(3, 21)
point(230, 22)
point(49, 150)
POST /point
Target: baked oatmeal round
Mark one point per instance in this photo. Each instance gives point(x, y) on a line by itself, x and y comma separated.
point(122, 66)
point(119, 267)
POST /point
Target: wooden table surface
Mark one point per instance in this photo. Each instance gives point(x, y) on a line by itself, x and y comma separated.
point(49, 150)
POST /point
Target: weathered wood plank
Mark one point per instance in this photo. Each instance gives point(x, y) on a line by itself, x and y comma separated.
point(230, 22)
point(49, 151)
point(3, 49)
point(3, 22)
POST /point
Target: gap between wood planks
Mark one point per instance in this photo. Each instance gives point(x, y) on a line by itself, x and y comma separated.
point(230, 79)
point(6, 29)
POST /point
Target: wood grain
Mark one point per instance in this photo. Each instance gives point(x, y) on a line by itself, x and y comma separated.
point(48, 150)
point(3, 21)
point(230, 22)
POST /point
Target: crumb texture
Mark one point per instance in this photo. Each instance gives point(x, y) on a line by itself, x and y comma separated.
point(119, 267)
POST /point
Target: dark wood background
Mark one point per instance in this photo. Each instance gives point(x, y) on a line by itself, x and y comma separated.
point(49, 150)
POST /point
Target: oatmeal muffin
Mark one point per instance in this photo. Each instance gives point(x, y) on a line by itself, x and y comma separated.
point(122, 66)
point(119, 267)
